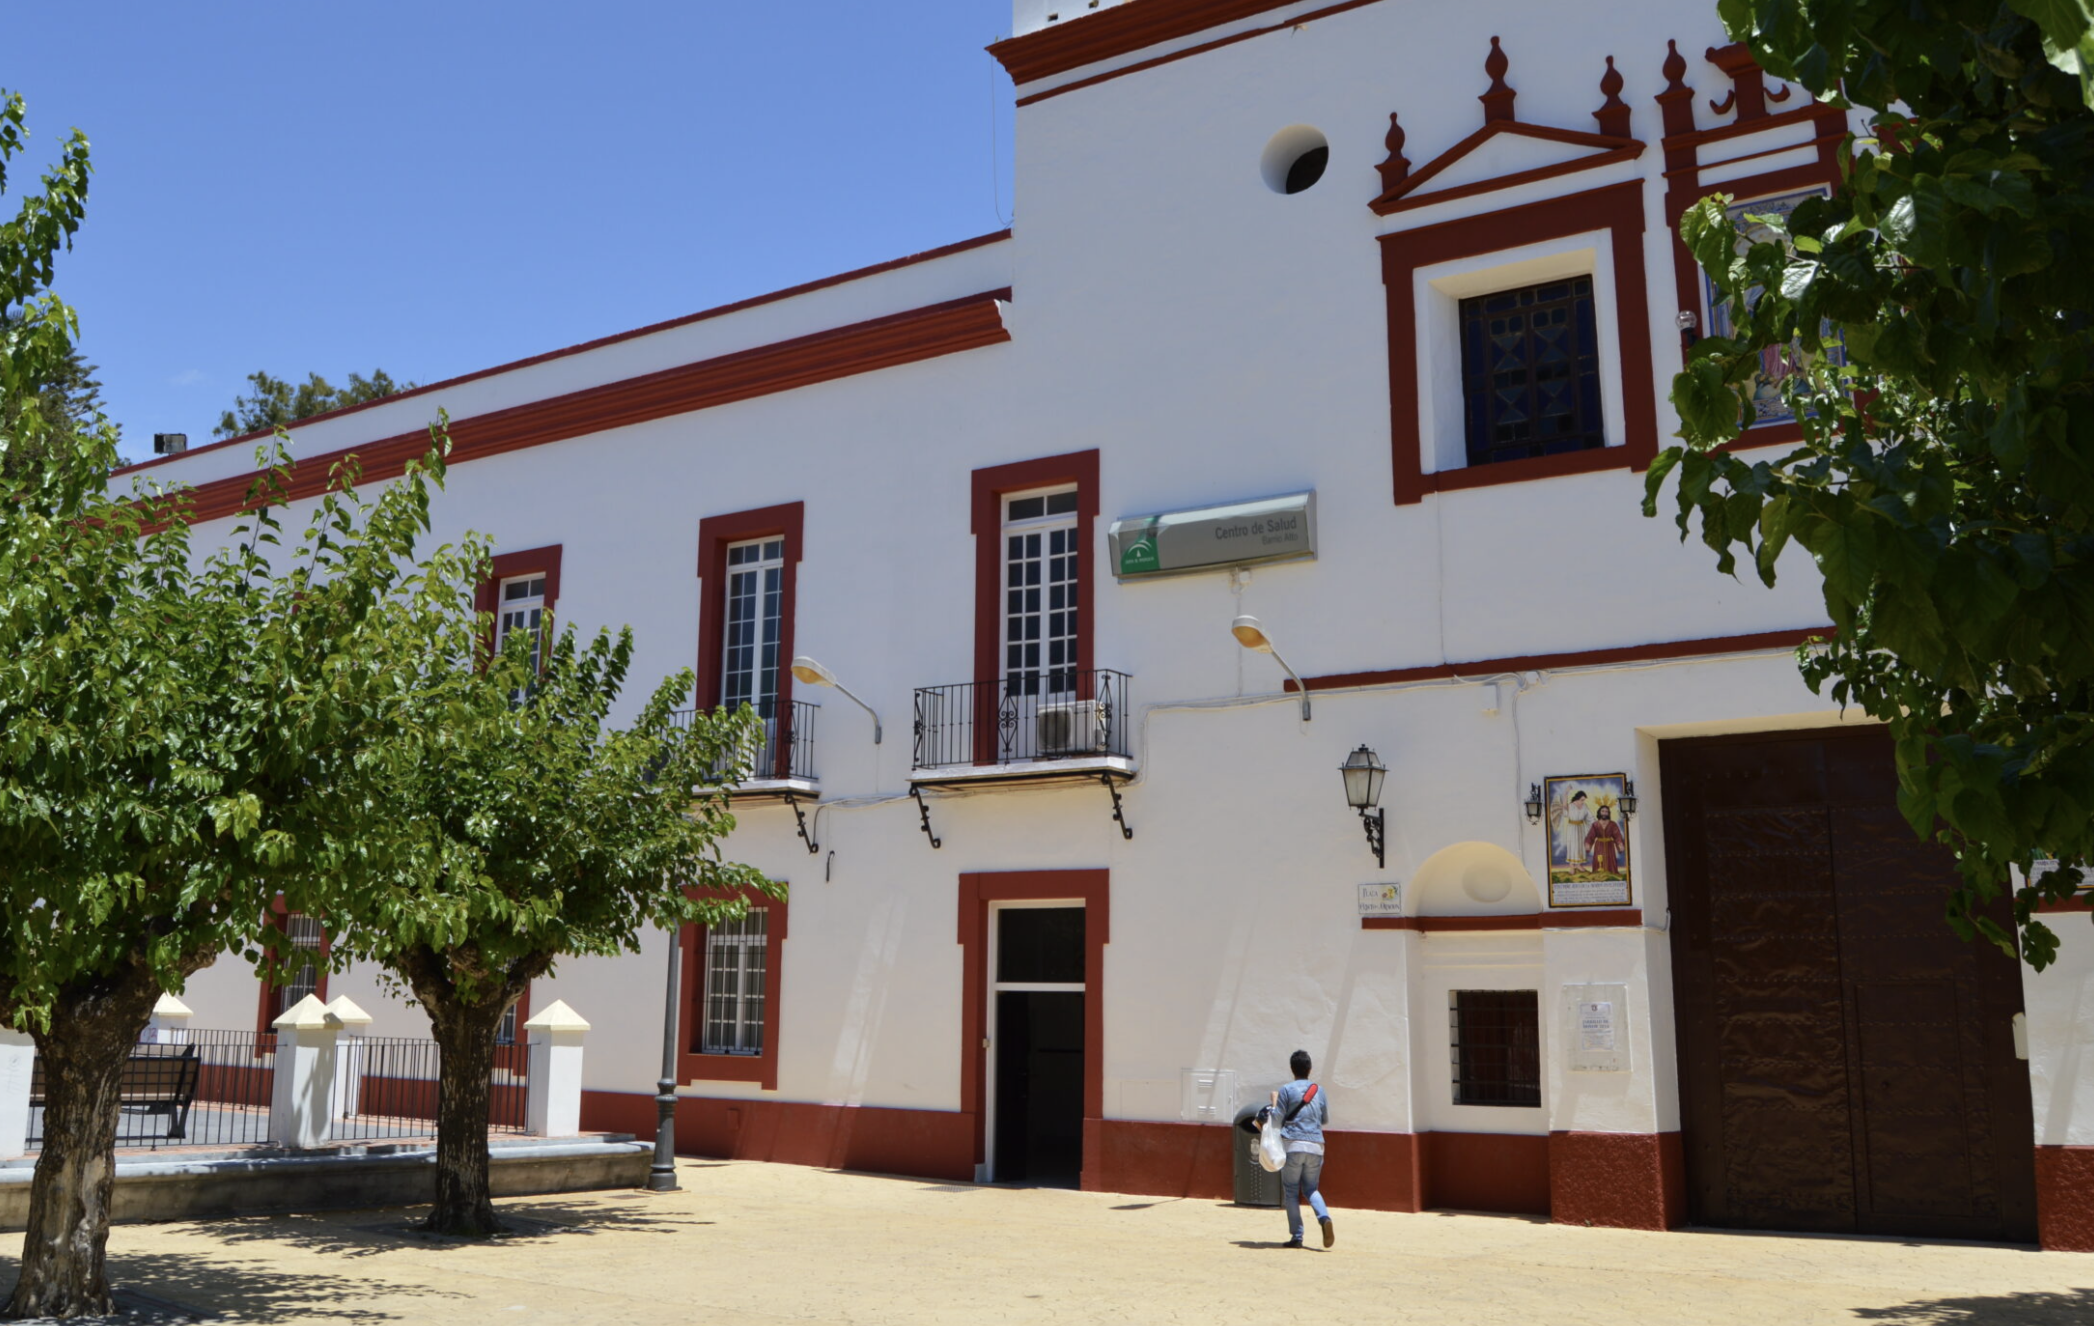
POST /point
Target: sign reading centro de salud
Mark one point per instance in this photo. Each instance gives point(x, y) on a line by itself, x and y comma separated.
point(1272, 529)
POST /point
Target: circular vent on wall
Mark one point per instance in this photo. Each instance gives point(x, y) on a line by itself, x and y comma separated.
point(1295, 158)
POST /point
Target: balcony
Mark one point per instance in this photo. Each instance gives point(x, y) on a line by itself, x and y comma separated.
point(785, 765)
point(1058, 724)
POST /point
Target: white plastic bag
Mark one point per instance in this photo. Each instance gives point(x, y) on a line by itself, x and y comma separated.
point(1272, 1148)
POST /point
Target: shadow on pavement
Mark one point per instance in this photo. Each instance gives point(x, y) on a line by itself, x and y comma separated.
point(159, 1287)
point(2036, 1308)
point(374, 1233)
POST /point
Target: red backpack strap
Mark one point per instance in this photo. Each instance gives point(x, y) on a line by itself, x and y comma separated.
point(1311, 1095)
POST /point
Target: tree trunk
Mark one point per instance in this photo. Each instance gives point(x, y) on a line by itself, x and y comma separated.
point(94, 1026)
point(465, 1041)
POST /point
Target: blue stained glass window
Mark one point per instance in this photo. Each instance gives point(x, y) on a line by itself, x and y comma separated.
point(1530, 372)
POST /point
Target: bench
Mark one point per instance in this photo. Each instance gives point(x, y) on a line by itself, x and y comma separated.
point(158, 1079)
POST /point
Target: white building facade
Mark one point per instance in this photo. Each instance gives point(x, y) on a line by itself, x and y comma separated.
point(1410, 273)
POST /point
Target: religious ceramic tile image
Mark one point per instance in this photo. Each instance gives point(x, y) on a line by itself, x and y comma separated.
point(1776, 365)
point(1588, 841)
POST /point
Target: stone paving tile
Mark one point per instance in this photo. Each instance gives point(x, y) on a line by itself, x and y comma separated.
point(763, 1245)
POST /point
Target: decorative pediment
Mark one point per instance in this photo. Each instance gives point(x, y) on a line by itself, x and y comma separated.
point(1506, 151)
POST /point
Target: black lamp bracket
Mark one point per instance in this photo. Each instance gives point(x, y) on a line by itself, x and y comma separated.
point(1374, 823)
point(1118, 810)
point(925, 811)
point(813, 847)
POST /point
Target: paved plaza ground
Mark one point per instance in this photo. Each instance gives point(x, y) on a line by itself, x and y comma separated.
point(748, 1243)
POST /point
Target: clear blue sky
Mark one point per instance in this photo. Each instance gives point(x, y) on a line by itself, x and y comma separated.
point(440, 186)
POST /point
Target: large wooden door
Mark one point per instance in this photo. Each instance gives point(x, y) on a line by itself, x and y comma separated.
point(1846, 1062)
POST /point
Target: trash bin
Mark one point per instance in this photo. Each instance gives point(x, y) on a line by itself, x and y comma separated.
point(1255, 1185)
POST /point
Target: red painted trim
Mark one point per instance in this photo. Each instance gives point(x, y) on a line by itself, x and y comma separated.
point(1586, 658)
point(266, 1011)
point(507, 566)
point(1375, 1171)
point(762, 1069)
point(1189, 51)
point(704, 315)
point(931, 1144)
point(1617, 209)
point(1618, 1180)
point(715, 533)
point(2081, 902)
point(901, 338)
point(985, 521)
point(2065, 1198)
point(1126, 28)
point(979, 889)
point(1505, 1172)
point(1608, 149)
point(1560, 919)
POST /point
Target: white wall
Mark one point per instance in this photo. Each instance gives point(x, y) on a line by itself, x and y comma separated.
point(1214, 341)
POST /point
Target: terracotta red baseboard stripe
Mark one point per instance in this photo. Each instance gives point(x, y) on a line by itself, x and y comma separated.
point(2065, 1198)
point(1618, 1180)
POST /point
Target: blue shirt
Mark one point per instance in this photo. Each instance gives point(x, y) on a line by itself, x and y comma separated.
point(1307, 1124)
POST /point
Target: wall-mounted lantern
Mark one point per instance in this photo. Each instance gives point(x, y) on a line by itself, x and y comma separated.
point(1364, 772)
point(1534, 803)
point(814, 674)
point(1628, 799)
point(1250, 633)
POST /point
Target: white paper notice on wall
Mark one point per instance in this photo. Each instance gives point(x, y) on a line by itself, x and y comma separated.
point(1596, 1028)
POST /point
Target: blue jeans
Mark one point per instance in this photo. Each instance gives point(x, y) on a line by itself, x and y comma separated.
point(1298, 1180)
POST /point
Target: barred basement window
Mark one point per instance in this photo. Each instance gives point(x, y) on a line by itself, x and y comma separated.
point(734, 977)
point(1496, 1046)
point(1530, 372)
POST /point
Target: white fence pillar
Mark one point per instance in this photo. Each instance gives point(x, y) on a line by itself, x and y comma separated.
point(169, 1024)
point(347, 1094)
point(300, 1106)
point(17, 1064)
point(553, 1106)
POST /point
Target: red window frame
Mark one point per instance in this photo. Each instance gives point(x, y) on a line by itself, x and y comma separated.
point(266, 1012)
point(715, 534)
point(697, 1066)
point(1616, 209)
point(991, 484)
point(1683, 146)
point(508, 566)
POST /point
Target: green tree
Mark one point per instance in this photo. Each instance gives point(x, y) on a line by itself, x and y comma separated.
point(69, 401)
point(1944, 486)
point(532, 830)
point(277, 404)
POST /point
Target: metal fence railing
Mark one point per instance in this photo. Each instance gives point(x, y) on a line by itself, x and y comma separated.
point(387, 1087)
point(1050, 714)
point(788, 742)
point(210, 1088)
point(207, 1088)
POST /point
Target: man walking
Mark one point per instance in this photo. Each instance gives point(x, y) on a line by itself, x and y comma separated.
point(1302, 1111)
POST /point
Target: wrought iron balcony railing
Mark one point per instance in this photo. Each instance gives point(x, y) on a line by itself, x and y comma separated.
point(788, 743)
point(1050, 714)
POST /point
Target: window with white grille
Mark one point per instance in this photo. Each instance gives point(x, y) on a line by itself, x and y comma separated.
point(755, 607)
point(301, 958)
point(522, 608)
point(735, 954)
point(1039, 603)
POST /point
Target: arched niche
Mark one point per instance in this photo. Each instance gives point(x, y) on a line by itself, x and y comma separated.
point(1472, 879)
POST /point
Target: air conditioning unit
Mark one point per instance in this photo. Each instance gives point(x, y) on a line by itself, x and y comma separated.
point(1073, 727)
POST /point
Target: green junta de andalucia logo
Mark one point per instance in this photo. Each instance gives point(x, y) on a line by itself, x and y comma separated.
point(1140, 555)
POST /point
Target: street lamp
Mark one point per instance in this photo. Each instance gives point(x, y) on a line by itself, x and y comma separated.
point(661, 1175)
point(1364, 771)
point(1250, 633)
point(814, 674)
